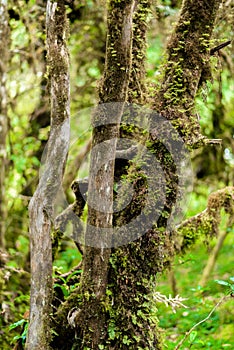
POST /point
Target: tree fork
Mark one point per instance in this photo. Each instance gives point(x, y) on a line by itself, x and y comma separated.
point(134, 267)
point(124, 304)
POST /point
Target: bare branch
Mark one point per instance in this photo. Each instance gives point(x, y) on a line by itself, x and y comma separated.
point(219, 47)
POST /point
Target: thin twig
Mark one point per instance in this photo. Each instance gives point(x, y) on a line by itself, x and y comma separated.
point(219, 47)
point(200, 322)
point(213, 141)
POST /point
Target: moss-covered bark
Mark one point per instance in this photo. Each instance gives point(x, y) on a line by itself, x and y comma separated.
point(113, 307)
point(207, 223)
point(132, 323)
point(89, 317)
point(187, 66)
point(137, 87)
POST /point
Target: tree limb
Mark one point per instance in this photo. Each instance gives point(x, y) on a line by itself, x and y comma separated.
point(207, 222)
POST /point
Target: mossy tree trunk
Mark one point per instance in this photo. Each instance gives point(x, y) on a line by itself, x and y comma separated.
point(187, 67)
point(4, 44)
point(133, 268)
point(41, 205)
point(114, 307)
point(91, 318)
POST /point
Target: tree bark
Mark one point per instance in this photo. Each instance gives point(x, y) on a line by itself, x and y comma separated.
point(4, 44)
point(114, 88)
point(41, 205)
point(137, 92)
point(113, 308)
point(187, 67)
point(133, 268)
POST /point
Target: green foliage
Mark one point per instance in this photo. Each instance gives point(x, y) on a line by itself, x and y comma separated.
point(67, 258)
point(15, 305)
point(22, 337)
point(211, 334)
point(227, 284)
point(68, 284)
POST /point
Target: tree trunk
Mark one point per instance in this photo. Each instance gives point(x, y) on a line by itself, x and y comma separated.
point(187, 67)
point(113, 308)
point(41, 205)
point(114, 88)
point(133, 268)
point(4, 44)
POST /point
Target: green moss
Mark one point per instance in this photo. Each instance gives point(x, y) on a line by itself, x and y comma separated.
point(186, 68)
point(207, 223)
point(137, 91)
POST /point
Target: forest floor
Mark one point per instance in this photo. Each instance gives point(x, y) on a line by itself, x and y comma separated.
point(218, 331)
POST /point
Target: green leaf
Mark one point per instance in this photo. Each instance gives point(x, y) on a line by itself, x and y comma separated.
point(54, 332)
point(17, 337)
point(63, 289)
point(111, 331)
point(17, 324)
point(224, 283)
point(126, 340)
point(192, 336)
point(77, 272)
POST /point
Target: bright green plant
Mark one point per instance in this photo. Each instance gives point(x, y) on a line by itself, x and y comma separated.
point(24, 324)
point(230, 289)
